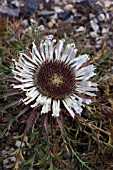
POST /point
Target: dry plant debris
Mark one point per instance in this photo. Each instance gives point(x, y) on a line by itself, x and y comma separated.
point(27, 140)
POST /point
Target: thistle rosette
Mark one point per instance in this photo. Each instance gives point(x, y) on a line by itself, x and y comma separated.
point(53, 76)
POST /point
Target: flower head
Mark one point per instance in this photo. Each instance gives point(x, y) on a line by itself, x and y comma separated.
point(54, 75)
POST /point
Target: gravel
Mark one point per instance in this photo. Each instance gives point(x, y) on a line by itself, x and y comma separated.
point(94, 18)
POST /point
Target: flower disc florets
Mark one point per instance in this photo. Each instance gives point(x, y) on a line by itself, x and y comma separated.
point(52, 75)
point(55, 79)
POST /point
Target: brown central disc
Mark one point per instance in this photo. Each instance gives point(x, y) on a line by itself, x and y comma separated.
point(55, 79)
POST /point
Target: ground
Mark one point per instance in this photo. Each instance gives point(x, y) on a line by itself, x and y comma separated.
point(29, 141)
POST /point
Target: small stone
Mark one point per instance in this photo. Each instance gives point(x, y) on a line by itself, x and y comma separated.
point(41, 28)
point(81, 29)
point(24, 22)
point(74, 11)
point(18, 143)
point(47, 1)
point(91, 15)
point(67, 156)
point(30, 7)
point(58, 9)
point(76, 1)
point(50, 36)
point(84, 18)
point(65, 15)
point(6, 134)
point(16, 3)
point(101, 17)
point(68, 7)
point(4, 152)
point(8, 1)
point(107, 3)
point(13, 159)
point(93, 34)
point(23, 144)
point(10, 166)
point(59, 21)
point(108, 16)
point(99, 42)
point(19, 162)
point(89, 46)
point(11, 149)
point(41, 6)
point(110, 43)
point(54, 16)
point(98, 46)
point(43, 20)
point(105, 30)
point(33, 21)
point(46, 13)
point(54, 31)
point(50, 24)
point(7, 148)
point(94, 25)
point(5, 161)
point(69, 20)
point(53, 21)
point(95, 20)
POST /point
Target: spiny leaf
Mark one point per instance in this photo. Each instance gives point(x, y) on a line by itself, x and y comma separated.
point(33, 116)
point(14, 103)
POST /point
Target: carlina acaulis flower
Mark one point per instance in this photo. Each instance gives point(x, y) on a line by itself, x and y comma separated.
point(53, 75)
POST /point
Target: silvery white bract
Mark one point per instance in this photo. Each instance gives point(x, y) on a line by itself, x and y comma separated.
point(54, 76)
